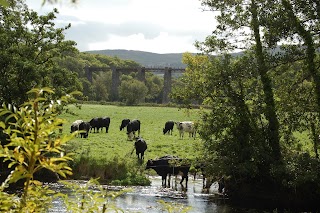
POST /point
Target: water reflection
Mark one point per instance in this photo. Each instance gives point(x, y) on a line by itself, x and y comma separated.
point(146, 199)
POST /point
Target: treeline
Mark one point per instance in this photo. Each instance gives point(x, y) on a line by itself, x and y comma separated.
point(35, 53)
point(131, 90)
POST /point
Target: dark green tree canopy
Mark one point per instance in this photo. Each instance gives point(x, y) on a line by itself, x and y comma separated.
point(29, 45)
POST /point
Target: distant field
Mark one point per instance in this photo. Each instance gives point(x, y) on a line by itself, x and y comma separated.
point(103, 146)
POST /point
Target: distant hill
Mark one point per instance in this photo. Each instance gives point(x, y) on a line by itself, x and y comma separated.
point(146, 59)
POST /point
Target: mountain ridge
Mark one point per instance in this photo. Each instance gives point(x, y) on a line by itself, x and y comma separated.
point(146, 59)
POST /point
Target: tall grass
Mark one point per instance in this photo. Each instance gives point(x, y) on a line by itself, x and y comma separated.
point(110, 155)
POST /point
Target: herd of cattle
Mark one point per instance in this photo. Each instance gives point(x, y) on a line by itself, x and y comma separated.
point(164, 166)
point(97, 124)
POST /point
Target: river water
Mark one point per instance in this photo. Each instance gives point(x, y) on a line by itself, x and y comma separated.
point(146, 199)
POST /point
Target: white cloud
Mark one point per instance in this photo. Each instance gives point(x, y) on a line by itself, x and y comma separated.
point(160, 26)
point(163, 43)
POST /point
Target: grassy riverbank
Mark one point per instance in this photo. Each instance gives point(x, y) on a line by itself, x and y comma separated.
point(110, 155)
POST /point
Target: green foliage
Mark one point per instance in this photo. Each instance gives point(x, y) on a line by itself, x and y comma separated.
point(132, 92)
point(91, 197)
point(29, 45)
point(34, 146)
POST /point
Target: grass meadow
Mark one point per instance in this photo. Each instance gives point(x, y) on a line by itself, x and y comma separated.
point(106, 155)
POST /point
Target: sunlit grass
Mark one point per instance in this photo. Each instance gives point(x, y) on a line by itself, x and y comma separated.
point(101, 148)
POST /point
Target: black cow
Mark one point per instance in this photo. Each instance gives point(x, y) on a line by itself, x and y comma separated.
point(132, 127)
point(170, 165)
point(94, 123)
point(105, 122)
point(124, 123)
point(84, 127)
point(140, 146)
point(206, 179)
point(168, 127)
point(99, 123)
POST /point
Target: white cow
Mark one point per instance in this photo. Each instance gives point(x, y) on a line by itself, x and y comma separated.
point(186, 126)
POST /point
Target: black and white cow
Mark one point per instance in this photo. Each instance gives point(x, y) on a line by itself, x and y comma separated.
point(186, 126)
point(141, 146)
point(132, 127)
point(170, 165)
point(84, 127)
point(168, 127)
point(75, 125)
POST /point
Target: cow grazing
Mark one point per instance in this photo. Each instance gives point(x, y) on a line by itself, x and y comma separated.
point(84, 128)
point(186, 126)
point(140, 146)
point(132, 127)
point(99, 123)
point(94, 123)
point(170, 165)
point(124, 123)
point(105, 123)
point(168, 127)
point(75, 125)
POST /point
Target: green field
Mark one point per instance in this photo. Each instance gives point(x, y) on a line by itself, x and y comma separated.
point(104, 147)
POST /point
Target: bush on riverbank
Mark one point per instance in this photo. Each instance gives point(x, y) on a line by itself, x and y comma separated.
point(117, 171)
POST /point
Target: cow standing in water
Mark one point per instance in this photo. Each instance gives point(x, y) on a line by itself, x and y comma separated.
point(186, 126)
point(140, 146)
point(170, 165)
point(168, 127)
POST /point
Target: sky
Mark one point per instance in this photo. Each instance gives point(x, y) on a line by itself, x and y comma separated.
point(158, 26)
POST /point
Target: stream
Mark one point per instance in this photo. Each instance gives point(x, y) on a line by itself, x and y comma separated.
point(146, 198)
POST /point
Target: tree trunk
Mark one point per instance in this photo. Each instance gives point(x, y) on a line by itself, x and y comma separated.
point(273, 126)
point(310, 52)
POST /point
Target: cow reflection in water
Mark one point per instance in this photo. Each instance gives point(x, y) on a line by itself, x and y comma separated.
point(170, 165)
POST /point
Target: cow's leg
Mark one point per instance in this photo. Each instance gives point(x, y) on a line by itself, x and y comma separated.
point(184, 177)
point(164, 180)
point(169, 180)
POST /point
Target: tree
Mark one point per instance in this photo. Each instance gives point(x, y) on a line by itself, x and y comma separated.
point(29, 45)
point(237, 21)
point(297, 23)
point(132, 91)
point(248, 96)
point(154, 85)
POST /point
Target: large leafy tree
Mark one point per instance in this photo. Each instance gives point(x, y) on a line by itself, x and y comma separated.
point(239, 24)
point(252, 94)
point(297, 23)
point(29, 43)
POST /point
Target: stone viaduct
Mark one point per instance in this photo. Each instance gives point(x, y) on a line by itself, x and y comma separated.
point(116, 72)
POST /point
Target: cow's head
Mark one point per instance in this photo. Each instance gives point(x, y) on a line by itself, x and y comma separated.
point(149, 164)
point(179, 125)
